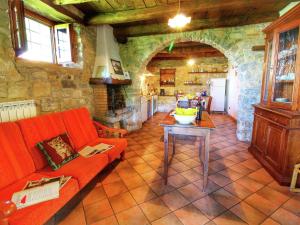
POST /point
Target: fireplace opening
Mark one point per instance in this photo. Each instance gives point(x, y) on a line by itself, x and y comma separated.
point(115, 98)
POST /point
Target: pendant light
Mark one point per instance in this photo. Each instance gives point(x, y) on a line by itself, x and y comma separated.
point(180, 20)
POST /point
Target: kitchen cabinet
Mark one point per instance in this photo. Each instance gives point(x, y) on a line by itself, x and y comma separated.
point(144, 108)
point(276, 129)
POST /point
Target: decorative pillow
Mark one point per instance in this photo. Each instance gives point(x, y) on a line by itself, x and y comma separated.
point(58, 151)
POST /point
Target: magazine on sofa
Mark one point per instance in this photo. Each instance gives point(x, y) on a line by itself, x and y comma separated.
point(34, 195)
point(45, 180)
point(36, 191)
point(89, 151)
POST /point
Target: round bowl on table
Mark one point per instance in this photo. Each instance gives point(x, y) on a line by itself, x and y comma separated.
point(185, 119)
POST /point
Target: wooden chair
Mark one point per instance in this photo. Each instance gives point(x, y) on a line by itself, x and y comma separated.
point(209, 100)
point(294, 178)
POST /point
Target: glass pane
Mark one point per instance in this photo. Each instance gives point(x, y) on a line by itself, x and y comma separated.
point(269, 67)
point(63, 48)
point(39, 41)
point(285, 69)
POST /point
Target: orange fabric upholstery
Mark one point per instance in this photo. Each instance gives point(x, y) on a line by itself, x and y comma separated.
point(38, 129)
point(80, 127)
point(104, 131)
point(120, 145)
point(15, 161)
point(42, 212)
point(83, 169)
point(21, 160)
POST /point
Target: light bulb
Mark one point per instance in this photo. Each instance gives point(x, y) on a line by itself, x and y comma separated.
point(179, 21)
point(191, 62)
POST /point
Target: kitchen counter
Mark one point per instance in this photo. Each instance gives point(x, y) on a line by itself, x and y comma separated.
point(166, 103)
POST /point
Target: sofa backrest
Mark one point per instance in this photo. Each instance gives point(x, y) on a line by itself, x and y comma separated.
point(15, 160)
point(80, 127)
point(38, 129)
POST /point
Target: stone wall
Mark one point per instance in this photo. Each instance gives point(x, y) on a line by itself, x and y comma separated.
point(182, 74)
point(53, 87)
point(234, 42)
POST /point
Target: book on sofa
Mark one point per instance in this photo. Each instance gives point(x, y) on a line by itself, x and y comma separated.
point(89, 151)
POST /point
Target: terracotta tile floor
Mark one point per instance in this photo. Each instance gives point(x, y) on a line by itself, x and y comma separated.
point(240, 191)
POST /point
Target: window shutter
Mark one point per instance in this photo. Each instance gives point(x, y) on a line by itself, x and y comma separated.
point(63, 43)
point(17, 26)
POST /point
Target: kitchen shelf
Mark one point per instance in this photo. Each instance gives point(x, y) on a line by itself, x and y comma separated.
point(193, 84)
point(205, 72)
point(285, 81)
point(167, 84)
point(97, 81)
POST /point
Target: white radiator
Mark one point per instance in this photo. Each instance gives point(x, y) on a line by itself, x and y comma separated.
point(11, 111)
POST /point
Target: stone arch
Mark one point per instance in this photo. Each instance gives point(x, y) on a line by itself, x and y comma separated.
point(234, 43)
point(166, 43)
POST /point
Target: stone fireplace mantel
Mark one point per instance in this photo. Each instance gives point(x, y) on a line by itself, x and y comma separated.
point(97, 81)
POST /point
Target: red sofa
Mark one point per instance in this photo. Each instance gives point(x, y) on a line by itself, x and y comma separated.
point(21, 160)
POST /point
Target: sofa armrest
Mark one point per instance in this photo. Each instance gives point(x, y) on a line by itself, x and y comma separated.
point(104, 131)
point(7, 208)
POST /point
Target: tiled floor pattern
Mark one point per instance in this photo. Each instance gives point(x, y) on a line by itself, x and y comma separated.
point(240, 191)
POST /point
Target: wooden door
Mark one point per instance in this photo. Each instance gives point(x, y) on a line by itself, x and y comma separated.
point(259, 134)
point(275, 145)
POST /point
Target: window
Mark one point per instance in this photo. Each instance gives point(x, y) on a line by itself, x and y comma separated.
point(39, 44)
point(63, 43)
point(38, 38)
point(17, 25)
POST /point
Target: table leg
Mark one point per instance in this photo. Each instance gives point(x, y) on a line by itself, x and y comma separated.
point(206, 160)
point(201, 149)
point(174, 143)
point(166, 152)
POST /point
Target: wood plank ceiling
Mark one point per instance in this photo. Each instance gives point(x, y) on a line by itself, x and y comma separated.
point(187, 50)
point(146, 17)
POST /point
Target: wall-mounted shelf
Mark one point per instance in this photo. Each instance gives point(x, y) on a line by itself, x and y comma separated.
point(167, 84)
point(167, 77)
point(286, 81)
point(193, 84)
point(205, 72)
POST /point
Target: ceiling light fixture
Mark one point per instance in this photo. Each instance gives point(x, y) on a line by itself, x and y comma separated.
point(180, 20)
point(191, 62)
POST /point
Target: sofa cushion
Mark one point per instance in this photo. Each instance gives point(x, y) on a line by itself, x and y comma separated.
point(119, 144)
point(42, 212)
point(40, 128)
point(83, 169)
point(15, 160)
point(80, 127)
point(57, 150)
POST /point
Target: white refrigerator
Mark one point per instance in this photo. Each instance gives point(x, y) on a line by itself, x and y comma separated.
point(218, 92)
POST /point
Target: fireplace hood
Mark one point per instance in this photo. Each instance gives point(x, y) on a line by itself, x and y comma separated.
point(108, 65)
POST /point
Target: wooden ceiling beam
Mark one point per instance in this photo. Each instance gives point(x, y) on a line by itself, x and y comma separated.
point(182, 50)
point(189, 54)
point(68, 2)
point(197, 24)
point(163, 11)
point(48, 9)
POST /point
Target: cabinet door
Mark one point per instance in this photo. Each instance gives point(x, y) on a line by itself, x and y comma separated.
point(259, 134)
point(286, 67)
point(267, 71)
point(275, 146)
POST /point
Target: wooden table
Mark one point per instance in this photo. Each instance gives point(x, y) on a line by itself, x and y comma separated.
point(199, 129)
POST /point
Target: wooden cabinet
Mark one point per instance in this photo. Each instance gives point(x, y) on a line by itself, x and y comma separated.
point(276, 129)
point(276, 141)
point(274, 145)
point(259, 136)
point(167, 77)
